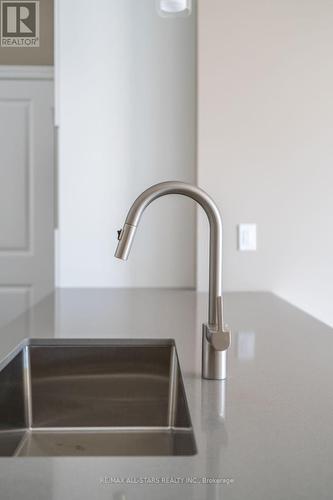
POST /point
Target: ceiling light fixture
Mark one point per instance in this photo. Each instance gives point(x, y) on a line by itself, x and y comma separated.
point(174, 8)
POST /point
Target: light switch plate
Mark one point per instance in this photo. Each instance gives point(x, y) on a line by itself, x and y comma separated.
point(247, 237)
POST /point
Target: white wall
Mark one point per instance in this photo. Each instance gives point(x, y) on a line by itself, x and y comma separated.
point(266, 143)
point(127, 104)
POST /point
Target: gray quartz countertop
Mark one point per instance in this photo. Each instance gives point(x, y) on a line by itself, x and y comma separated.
point(265, 433)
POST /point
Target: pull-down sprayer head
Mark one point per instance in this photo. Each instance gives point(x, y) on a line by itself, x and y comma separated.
point(125, 240)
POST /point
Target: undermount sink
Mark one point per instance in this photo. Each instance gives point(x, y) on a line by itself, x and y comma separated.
point(94, 398)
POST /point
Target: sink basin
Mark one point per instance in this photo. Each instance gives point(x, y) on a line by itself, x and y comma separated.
point(94, 398)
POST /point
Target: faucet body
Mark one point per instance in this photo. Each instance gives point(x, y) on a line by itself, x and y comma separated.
point(216, 339)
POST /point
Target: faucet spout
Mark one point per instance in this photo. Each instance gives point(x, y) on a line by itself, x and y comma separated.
point(214, 333)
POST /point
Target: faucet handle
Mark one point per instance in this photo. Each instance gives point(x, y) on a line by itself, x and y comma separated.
point(219, 336)
point(220, 340)
point(219, 313)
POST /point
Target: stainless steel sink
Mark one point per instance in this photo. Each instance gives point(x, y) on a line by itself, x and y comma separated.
point(94, 398)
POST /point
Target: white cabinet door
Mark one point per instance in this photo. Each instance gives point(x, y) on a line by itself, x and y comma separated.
point(26, 191)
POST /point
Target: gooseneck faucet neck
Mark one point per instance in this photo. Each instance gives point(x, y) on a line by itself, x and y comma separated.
point(126, 235)
point(215, 224)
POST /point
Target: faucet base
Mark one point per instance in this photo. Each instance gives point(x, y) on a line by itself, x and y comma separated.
point(214, 363)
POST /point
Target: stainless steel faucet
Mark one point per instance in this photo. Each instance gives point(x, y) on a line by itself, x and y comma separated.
point(215, 336)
